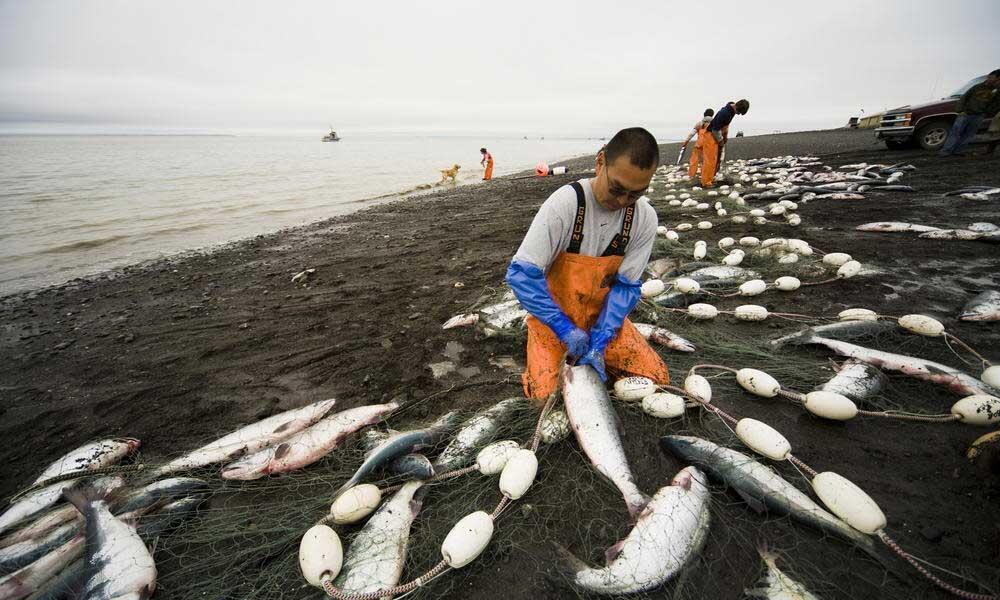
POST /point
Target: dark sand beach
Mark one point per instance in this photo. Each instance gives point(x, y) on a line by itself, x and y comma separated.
point(177, 352)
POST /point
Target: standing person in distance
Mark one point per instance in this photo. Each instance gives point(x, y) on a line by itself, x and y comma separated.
point(487, 164)
point(718, 135)
point(698, 132)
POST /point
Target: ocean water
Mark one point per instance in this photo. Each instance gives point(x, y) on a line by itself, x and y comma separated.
point(73, 206)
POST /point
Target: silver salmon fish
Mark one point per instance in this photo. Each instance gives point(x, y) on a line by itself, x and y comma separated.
point(595, 424)
point(982, 307)
point(375, 557)
point(664, 337)
point(401, 444)
point(857, 380)
point(918, 368)
point(775, 585)
point(474, 433)
point(893, 226)
point(251, 438)
point(669, 532)
point(761, 486)
point(117, 565)
point(414, 464)
point(309, 445)
point(88, 457)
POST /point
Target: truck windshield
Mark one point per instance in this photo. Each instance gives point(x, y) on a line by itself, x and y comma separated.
point(966, 87)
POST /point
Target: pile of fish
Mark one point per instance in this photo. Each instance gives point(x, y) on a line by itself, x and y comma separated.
point(982, 232)
point(494, 318)
point(832, 337)
point(97, 546)
point(308, 445)
point(789, 178)
point(376, 555)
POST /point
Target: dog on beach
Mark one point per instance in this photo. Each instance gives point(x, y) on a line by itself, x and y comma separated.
point(450, 173)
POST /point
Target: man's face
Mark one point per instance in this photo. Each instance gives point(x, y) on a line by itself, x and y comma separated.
point(621, 183)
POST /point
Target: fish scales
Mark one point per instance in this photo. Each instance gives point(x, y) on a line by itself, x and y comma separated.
point(251, 438)
point(761, 485)
point(117, 562)
point(309, 445)
point(88, 457)
point(595, 424)
point(475, 433)
point(375, 556)
point(400, 444)
point(669, 532)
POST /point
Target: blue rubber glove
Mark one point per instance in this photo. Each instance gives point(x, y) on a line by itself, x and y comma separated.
point(595, 358)
point(619, 302)
point(532, 291)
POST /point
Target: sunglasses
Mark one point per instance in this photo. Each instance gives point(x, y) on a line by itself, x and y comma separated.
point(616, 190)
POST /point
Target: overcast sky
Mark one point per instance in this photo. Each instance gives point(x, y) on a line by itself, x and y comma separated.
point(516, 67)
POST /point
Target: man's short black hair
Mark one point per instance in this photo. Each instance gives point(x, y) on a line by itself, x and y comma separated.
point(483, 150)
point(638, 144)
point(709, 112)
point(995, 72)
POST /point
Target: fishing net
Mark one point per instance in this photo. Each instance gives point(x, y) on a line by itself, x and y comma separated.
point(243, 542)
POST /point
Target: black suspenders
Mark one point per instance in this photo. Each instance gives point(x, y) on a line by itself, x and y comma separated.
point(618, 244)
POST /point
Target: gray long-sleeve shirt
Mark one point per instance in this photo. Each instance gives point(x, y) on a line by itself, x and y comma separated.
point(552, 228)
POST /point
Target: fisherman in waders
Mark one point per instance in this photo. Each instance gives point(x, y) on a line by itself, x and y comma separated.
point(577, 271)
point(698, 133)
point(718, 134)
point(487, 164)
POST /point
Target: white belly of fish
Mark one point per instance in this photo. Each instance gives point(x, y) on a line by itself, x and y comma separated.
point(662, 542)
point(126, 565)
point(377, 553)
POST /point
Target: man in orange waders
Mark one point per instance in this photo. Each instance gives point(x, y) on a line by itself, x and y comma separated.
point(718, 134)
point(577, 271)
point(487, 162)
point(699, 134)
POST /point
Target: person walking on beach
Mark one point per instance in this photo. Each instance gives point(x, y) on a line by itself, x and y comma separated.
point(699, 134)
point(577, 270)
point(487, 162)
point(718, 135)
point(977, 103)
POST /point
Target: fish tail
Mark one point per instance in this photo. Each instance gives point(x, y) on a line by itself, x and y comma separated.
point(350, 483)
point(806, 336)
point(82, 496)
point(567, 565)
point(768, 556)
point(636, 503)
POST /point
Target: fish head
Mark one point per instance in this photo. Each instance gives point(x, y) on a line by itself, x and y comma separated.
point(131, 444)
point(693, 480)
point(681, 446)
point(249, 467)
point(448, 421)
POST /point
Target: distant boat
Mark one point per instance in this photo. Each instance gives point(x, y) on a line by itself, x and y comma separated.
point(331, 137)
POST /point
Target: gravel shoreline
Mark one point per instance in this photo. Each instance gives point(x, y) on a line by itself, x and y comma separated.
point(178, 351)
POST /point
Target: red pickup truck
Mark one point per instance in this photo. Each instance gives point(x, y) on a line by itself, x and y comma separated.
point(924, 124)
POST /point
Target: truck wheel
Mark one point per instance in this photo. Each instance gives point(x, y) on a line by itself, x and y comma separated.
point(898, 144)
point(931, 136)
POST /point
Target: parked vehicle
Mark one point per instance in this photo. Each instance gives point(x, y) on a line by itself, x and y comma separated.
point(926, 125)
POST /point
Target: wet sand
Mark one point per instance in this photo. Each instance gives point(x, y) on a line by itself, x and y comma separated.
point(178, 351)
